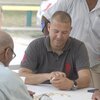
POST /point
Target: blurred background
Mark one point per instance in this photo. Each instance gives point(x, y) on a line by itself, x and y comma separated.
point(19, 19)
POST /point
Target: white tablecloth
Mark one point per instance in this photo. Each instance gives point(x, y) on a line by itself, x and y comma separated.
point(56, 94)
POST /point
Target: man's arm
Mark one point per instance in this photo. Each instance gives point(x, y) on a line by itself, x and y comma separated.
point(57, 79)
point(64, 83)
point(32, 78)
point(84, 78)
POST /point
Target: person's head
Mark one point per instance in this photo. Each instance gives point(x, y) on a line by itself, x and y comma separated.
point(6, 48)
point(59, 29)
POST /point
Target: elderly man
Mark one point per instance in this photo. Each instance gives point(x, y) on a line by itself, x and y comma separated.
point(11, 86)
point(57, 59)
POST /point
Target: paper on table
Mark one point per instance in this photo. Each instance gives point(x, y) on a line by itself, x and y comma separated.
point(42, 88)
point(56, 94)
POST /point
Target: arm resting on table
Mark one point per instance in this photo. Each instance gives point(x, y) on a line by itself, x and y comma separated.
point(84, 78)
point(32, 78)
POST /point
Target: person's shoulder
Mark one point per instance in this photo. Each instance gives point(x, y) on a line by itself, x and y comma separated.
point(77, 45)
point(38, 40)
point(76, 42)
point(37, 43)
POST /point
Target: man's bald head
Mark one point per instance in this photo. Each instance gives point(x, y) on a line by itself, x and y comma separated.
point(5, 40)
point(61, 16)
point(6, 48)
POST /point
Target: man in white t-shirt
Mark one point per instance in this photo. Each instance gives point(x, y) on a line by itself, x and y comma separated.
point(85, 16)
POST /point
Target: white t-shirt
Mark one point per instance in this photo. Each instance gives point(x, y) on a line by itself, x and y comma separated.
point(85, 24)
point(11, 86)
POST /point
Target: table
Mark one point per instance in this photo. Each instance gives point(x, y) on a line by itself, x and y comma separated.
point(56, 94)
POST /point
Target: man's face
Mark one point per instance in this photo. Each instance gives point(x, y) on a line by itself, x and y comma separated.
point(59, 34)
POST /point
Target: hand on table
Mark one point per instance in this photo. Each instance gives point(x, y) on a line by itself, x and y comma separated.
point(96, 95)
point(31, 93)
point(56, 74)
point(60, 81)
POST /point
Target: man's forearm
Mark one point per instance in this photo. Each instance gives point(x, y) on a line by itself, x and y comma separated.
point(32, 77)
point(36, 78)
point(84, 79)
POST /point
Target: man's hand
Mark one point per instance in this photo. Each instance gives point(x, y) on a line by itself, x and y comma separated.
point(56, 74)
point(96, 95)
point(31, 93)
point(59, 80)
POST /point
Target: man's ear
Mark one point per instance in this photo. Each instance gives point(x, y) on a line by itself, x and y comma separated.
point(8, 56)
point(48, 26)
point(7, 53)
